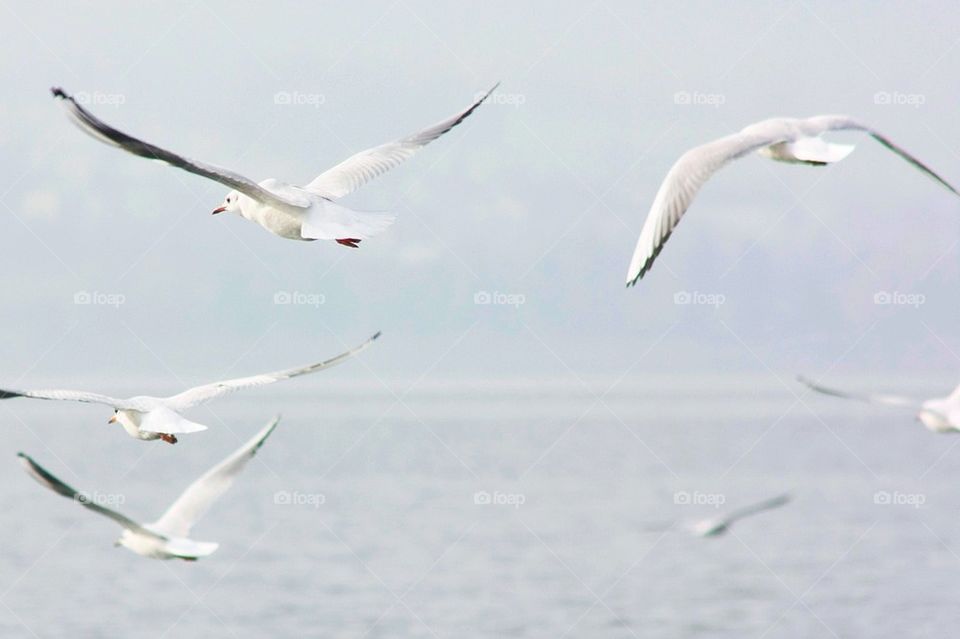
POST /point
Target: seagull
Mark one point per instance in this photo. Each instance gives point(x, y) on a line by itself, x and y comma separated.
point(940, 415)
point(152, 418)
point(294, 212)
point(791, 140)
point(166, 538)
point(719, 525)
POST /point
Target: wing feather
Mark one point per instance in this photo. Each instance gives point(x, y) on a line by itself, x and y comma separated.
point(49, 480)
point(364, 166)
point(102, 131)
point(678, 189)
point(201, 394)
point(191, 505)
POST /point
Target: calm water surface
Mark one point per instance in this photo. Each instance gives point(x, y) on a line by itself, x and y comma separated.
point(365, 516)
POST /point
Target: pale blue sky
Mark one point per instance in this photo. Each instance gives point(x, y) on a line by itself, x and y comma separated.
point(540, 194)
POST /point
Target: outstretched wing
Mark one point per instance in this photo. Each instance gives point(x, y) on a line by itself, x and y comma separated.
point(843, 122)
point(106, 133)
point(197, 498)
point(684, 179)
point(72, 396)
point(200, 394)
point(759, 507)
point(887, 400)
point(364, 166)
point(46, 478)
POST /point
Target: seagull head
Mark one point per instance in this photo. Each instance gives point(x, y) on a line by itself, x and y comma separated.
point(230, 203)
point(113, 418)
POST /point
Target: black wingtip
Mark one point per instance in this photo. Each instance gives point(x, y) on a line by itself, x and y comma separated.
point(22, 455)
point(376, 335)
point(59, 93)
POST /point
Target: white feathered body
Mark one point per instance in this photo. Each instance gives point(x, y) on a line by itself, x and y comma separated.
point(170, 548)
point(322, 219)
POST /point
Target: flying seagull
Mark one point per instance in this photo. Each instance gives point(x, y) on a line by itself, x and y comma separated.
point(940, 415)
point(168, 537)
point(151, 418)
point(307, 212)
point(719, 525)
point(783, 139)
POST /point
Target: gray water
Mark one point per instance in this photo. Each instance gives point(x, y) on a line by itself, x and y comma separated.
point(359, 518)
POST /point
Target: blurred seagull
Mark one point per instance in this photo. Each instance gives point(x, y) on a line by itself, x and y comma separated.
point(151, 418)
point(783, 139)
point(719, 525)
point(294, 212)
point(166, 538)
point(940, 415)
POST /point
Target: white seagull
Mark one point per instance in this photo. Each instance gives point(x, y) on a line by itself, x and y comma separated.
point(151, 418)
point(168, 537)
point(940, 415)
point(783, 139)
point(293, 212)
point(719, 525)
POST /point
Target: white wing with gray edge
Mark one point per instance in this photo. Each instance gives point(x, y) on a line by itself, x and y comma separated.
point(201, 394)
point(358, 169)
point(191, 505)
point(102, 131)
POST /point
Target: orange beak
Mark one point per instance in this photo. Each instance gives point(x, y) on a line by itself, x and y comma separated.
point(219, 209)
point(112, 419)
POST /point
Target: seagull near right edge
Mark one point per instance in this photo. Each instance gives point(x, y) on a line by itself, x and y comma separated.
point(294, 212)
point(158, 418)
point(719, 525)
point(783, 139)
point(166, 538)
point(940, 415)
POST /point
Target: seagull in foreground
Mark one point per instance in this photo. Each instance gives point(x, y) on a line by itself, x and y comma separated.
point(294, 212)
point(151, 418)
point(166, 538)
point(783, 139)
point(719, 525)
point(940, 415)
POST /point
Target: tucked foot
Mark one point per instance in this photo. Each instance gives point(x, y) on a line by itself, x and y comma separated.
point(349, 241)
point(170, 439)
